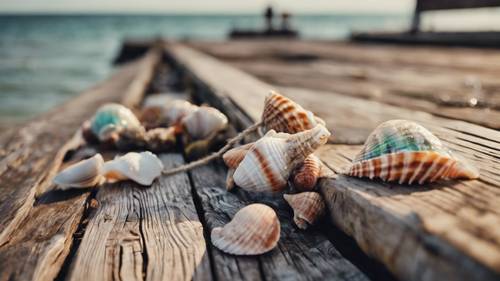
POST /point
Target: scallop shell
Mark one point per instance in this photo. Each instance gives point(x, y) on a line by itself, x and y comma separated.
point(254, 230)
point(86, 173)
point(142, 168)
point(204, 122)
point(403, 151)
point(268, 165)
point(111, 118)
point(306, 176)
point(284, 115)
point(233, 157)
point(307, 207)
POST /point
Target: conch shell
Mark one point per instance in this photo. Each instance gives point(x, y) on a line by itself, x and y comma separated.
point(86, 173)
point(204, 122)
point(233, 157)
point(284, 115)
point(268, 165)
point(111, 118)
point(307, 207)
point(142, 168)
point(254, 230)
point(404, 151)
point(306, 175)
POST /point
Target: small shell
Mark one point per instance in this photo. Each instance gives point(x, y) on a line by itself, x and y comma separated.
point(284, 115)
point(306, 176)
point(268, 165)
point(161, 139)
point(169, 113)
point(177, 110)
point(86, 173)
point(204, 122)
point(307, 207)
point(111, 118)
point(142, 168)
point(254, 230)
point(403, 151)
point(233, 157)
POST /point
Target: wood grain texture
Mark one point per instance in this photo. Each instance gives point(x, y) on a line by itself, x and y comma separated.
point(144, 233)
point(441, 81)
point(30, 158)
point(300, 255)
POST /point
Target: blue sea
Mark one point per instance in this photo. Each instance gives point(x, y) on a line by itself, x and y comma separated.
point(47, 59)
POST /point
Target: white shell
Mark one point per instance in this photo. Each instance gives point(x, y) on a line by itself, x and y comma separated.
point(204, 122)
point(178, 109)
point(268, 165)
point(254, 230)
point(233, 157)
point(142, 168)
point(86, 173)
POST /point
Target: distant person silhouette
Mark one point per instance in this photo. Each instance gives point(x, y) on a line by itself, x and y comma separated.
point(285, 21)
point(269, 15)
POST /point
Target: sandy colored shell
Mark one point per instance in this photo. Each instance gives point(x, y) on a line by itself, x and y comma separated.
point(306, 176)
point(307, 207)
point(268, 165)
point(204, 122)
point(86, 173)
point(111, 118)
point(233, 157)
point(405, 152)
point(142, 168)
point(284, 115)
point(254, 230)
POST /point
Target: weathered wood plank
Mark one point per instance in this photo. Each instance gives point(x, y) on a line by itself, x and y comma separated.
point(144, 233)
point(300, 255)
point(30, 157)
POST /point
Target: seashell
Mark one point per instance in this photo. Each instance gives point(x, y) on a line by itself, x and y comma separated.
point(268, 165)
point(404, 151)
point(161, 139)
point(230, 180)
point(306, 175)
point(86, 173)
point(233, 157)
point(204, 122)
point(142, 168)
point(254, 230)
point(111, 118)
point(169, 113)
point(284, 115)
point(128, 138)
point(307, 207)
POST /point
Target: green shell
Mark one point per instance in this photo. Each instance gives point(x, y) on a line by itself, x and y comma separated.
point(113, 115)
point(399, 135)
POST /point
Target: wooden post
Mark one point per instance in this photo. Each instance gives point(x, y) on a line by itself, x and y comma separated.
point(415, 24)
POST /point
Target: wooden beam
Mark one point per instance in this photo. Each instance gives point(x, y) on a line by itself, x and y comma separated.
point(432, 5)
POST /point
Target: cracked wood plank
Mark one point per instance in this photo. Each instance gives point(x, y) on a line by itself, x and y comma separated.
point(144, 233)
point(37, 224)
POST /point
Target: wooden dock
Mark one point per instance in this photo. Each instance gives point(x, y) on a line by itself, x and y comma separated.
point(444, 231)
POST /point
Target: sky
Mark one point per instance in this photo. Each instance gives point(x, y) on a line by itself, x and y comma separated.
point(207, 6)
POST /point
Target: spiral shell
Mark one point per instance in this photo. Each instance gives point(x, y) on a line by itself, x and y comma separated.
point(233, 157)
point(111, 118)
point(142, 168)
point(306, 175)
point(268, 165)
point(307, 207)
point(86, 173)
point(403, 151)
point(254, 230)
point(204, 122)
point(284, 115)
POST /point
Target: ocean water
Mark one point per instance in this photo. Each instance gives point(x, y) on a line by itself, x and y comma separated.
point(45, 60)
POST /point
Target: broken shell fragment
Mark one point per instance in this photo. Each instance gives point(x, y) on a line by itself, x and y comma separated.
point(254, 230)
point(307, 207)
point(111, 118)
point(306, 176)
point(404, 151)
point(142, 168)
point(204, 122)
point(86, 173)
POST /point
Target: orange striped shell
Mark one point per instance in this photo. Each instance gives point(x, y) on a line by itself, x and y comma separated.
point(306, 176)
point(254, 230)
point(403, 151)
point(284, 115)
point(233, 157)
point(307, 207)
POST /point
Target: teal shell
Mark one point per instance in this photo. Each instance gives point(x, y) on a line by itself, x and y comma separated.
point(397, 136)
point(113, 115)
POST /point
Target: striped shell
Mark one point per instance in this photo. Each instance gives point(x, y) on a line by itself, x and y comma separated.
point(403, 151)
point(284, 115)
point(142, 168)
point(254, 230)
point(307, 207)
point(306, 175)
point(111, 118)
point(268, 165)
point(86, 173)
point(233, 157)
point(204, 122)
